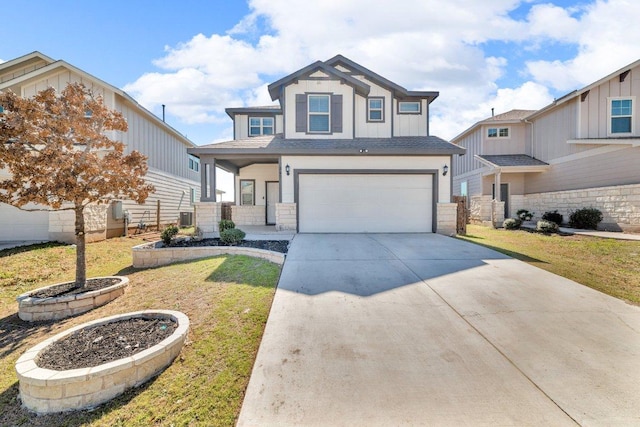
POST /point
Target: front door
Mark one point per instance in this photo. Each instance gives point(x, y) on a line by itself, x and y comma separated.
point(273, 193)
point(504, 197)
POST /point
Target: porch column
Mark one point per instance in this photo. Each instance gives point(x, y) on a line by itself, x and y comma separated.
point(497, 186)
point(208, 180)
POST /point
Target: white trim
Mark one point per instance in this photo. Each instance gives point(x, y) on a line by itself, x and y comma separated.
point(610, 99)
point(635, 142)
point(317, 113)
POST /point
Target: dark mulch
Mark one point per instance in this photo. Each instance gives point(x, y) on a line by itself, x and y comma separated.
point(70, 288)
point(96, 345)
point(270, 245)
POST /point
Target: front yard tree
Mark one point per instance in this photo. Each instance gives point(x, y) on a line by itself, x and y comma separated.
point(58, 151)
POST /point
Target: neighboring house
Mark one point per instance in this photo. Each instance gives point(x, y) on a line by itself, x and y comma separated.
point(346, 150)
point(583, 150)
point(173, 172)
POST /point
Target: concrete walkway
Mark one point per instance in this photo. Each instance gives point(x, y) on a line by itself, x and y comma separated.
point(421, 329)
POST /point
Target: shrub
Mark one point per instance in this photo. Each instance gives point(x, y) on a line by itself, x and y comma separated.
point(547, 226)
point(524, 215)
point(585, 218)
point(232, 236)
point(226, 224)
point(168, 234)
point(512, 223)
point(553, 217)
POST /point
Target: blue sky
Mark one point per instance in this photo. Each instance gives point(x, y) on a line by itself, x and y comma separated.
point(198, 57)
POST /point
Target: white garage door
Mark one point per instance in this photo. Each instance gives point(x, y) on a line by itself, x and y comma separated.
point(20, 225)
point(365, 203)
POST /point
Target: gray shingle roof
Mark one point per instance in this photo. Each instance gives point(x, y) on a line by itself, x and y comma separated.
point(512, 115)
point(276, 144)
point(513, 160)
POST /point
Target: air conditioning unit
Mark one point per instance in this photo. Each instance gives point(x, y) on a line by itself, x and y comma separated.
point(186, 219)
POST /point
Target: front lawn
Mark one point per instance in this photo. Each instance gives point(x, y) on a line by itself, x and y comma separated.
point(226, 298)
point(607, 265)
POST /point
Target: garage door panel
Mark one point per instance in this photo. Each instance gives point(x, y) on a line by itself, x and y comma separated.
point(365, 203)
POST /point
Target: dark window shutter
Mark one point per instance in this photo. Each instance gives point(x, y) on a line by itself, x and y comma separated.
point(336, 113)
point(301, 112)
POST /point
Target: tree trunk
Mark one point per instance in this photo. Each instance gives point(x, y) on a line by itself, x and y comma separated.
point(81, 262)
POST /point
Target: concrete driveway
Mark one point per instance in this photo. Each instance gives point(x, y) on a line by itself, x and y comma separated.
point(421, 329)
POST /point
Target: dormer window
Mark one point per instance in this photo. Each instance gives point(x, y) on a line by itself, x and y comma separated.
point(261, 126)
point(319, 113)
point(409, 107)
point(375, 109)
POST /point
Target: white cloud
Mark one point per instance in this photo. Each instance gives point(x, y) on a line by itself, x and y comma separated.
point(420, 44)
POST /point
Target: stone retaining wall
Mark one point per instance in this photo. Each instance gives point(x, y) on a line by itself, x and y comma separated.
point(248, 215)
point(45, 390)
point(37, 309)
point(447, 216)
point(147, 255)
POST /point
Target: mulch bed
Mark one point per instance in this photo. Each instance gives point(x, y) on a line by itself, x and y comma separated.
point(281, 246)
point(71, 288)
point(96, 345)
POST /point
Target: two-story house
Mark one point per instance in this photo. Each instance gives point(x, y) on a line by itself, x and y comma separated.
point(582, 150)
point(345, 150)
point(173, 172)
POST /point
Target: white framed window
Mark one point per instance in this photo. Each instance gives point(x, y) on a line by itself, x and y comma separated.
point(409, 107)
point(261, 126)
point(621, 112)
point(498, 132)
point(194, 163)
point(375, 109)
point(319, 113)
point(192, 195)
point(247, 192)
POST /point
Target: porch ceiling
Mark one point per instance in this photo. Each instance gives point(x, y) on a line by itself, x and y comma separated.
point(233, 163)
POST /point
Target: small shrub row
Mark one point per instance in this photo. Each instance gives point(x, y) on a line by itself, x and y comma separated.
point(229, 234)
point(524, 215)
point(585, 218)
point(168, 234)
point(226, 224)
point(545, 226)
point(554, 216)
point(512, 223)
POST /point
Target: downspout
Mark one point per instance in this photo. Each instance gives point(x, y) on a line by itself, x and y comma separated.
point(532, 139)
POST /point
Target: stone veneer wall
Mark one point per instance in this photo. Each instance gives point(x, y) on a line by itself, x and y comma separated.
point(447, 214)
point(480, 210)
point(620, 205)
point(62, 224)
point(208, 215)
point(248, 215)
point(286, 218)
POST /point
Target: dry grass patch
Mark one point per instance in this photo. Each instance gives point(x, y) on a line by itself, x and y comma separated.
point(607, 265)
point(226, 298)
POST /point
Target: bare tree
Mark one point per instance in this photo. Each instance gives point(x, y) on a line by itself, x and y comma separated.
point(58, 152)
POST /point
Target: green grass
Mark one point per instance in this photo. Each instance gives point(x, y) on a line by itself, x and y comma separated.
point(226, 298)
point(607, 265)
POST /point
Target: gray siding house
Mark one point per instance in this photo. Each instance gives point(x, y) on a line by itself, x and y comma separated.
point(582, 150)
point(344, 150)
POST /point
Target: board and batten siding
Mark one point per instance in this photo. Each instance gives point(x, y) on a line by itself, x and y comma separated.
point(366, 129)
point(615, 166)
point(514, 144)
point(473, 143)
point(333, 87)
point(21, 69)
point(473, 180)
point(60, 80)
point(594, 110)
point(410, 124)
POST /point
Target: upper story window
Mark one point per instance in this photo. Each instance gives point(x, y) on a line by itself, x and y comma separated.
point(409, 107)
point(194, 164)
point(261, 126)
point(375, 109)
point(498, 132)
point(319, 113)
point(621, 116)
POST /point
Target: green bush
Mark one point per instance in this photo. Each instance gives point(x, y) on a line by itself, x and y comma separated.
point(512, 223)
point(168, 234)
point(226, 224)
point(553, 217)
point(524, 215)
point(232, 236)
point(547, 226)
point(585, 218)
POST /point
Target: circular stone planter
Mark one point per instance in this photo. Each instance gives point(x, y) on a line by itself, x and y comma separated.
point(46, 390)
point(32, 309)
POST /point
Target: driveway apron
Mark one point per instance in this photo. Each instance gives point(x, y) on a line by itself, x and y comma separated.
point(422, 329)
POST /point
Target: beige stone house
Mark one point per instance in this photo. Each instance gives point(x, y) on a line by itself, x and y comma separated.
point(173, 172)
point(345, 150)
point(582, 150)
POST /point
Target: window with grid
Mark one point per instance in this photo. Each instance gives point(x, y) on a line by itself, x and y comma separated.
point(319, 113)
point(621, 115)
point(261, 126)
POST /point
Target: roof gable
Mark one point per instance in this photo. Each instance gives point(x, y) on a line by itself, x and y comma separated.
point(30, 57)
point(318, 66)
point(342, 63)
